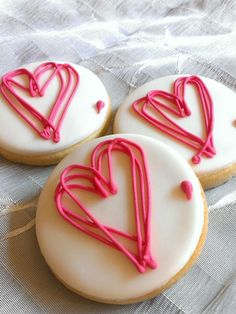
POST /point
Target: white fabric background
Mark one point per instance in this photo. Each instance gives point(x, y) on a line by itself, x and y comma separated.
point(126, 43)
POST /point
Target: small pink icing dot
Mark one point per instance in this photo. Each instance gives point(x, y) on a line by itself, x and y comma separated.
point(99, 105)
point(152, 264)
point(196, 159)
point(141, 269)
point(56, 137)
point(187, 188)
point(187, 111)
point(33, 92)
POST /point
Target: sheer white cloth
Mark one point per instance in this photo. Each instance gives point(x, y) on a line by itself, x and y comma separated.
point(126, 43)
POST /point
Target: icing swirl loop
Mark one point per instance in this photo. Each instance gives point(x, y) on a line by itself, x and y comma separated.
point(47, 127)
point(78, 177)
point(149, 106)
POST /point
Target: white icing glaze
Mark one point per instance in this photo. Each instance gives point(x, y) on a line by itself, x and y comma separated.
point(99, 271)
point(81, 120)
point(224, 133)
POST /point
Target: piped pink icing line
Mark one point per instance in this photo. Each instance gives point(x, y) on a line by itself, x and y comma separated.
point(105, 187)
point(187, 188)
point(68, 86)
point(181, 109)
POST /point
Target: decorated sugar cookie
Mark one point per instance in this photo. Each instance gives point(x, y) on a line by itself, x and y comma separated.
point(48, 109)
point(121, 219)
point(192, 114)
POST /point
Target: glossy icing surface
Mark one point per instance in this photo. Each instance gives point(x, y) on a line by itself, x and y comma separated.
point(80, 121)
point(97, 270)
point(224, 130)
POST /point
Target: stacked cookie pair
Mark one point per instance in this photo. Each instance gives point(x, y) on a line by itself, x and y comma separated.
point(122, 217)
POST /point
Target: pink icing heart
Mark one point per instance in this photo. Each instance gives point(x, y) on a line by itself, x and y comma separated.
point(73, 179)
point(180, 109)
point(45, 126)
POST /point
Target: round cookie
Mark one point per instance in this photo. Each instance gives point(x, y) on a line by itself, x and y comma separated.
point(121, 219)
point(192, 114)
point(48, 109)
